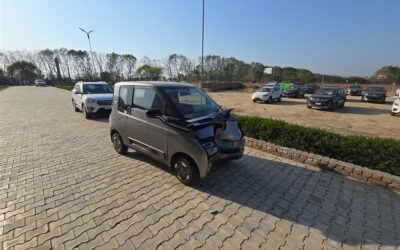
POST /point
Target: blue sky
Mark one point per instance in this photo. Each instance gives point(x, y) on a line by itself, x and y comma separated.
point(345, 37)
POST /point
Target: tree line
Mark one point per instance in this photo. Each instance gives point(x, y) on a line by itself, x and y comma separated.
point(68, 66)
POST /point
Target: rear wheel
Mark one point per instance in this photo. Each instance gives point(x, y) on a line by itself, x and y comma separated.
point(280, 99)
point(185, 170)
point(119, 144)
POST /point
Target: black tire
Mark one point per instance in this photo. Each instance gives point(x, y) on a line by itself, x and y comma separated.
point(362, 99)
point(331, 106)
point(269, 101)
point(74, 106)
point(342, 105)
point(280, 99)
point(392, 114)
point(254, 100)
point(185, 170)
point(383, 100)
point(118, 144)
point(87, 115)
point(309, 106)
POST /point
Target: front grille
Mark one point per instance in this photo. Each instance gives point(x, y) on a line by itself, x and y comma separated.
point(104, 103)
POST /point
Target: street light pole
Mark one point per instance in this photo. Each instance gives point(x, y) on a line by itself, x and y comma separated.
point(202, 50)
point(90, 47)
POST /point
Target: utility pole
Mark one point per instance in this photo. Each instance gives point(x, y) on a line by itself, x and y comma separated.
point(202, 50)
point(90, 47)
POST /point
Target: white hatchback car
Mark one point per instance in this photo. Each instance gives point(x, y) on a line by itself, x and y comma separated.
point(92, 97)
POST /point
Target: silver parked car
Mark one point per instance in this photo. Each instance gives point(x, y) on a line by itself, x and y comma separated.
point(176, 124)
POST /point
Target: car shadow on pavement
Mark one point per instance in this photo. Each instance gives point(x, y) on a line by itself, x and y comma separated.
point(342, 209)
point(363, 110)
point(294, 101)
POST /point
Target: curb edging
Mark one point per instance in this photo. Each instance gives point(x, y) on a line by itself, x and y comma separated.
point(375, 177)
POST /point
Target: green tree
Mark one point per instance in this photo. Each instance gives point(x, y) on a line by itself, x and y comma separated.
point(387, 74)
point(149, 72)
point(305, 76)
point(23, 70)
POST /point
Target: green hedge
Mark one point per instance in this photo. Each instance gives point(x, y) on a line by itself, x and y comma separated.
point(371, 152)
point(66, 87)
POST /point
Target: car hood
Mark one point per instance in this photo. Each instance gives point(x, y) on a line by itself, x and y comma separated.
point(323, 97)
point(218, 126)
point(99, 96)
point(257, 94)
point(375, 93)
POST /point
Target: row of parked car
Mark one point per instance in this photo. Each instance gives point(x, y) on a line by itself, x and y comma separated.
point(176, 124)
point(328, 98)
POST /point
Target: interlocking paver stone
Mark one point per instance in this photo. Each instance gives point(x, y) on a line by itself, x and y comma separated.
point(63, 186)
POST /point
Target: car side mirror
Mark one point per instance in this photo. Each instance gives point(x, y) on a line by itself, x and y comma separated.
point(153, 113)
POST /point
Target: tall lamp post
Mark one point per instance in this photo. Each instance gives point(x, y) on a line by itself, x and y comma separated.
point(202, 49)
point(90, 47)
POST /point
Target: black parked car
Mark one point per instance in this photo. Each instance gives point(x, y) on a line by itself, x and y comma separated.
point(327, 97)
point(309, 89)
point(354, 90)
point(374, 94)
point(294, 91)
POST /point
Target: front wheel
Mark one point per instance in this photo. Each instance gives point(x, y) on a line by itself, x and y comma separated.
point(280, 99)
point(118, 144)
point(269, 100)
point(185, 170)
point(383, 100)
point(74, 106)
point(309, 106)
point(85, 112)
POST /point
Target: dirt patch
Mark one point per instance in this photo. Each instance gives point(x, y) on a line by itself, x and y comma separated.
point(371, 119)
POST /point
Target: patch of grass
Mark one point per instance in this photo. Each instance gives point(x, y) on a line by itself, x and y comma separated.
point(66, 87)
point(2, 87)
point(381, 154)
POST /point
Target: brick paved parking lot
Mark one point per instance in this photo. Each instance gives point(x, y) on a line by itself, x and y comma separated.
point(62, 186)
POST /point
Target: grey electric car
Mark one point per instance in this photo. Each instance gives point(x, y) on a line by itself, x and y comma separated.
point(176, 124)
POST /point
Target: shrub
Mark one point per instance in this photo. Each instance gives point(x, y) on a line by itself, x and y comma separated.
point(375, 153)
point(66, 87)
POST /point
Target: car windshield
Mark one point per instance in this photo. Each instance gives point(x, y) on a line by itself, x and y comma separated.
point(327, 91)
point(97, 89)
point(191, 102)
point(354, 87)
point(264, 90)
point(376, 89)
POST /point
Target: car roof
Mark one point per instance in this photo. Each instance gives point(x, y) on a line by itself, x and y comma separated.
point(155, 84)
point(331, 87)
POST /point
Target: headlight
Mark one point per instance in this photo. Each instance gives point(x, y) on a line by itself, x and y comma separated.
point(310, 98)
point(396, 104)
point(90, 100)
point(210, 148)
